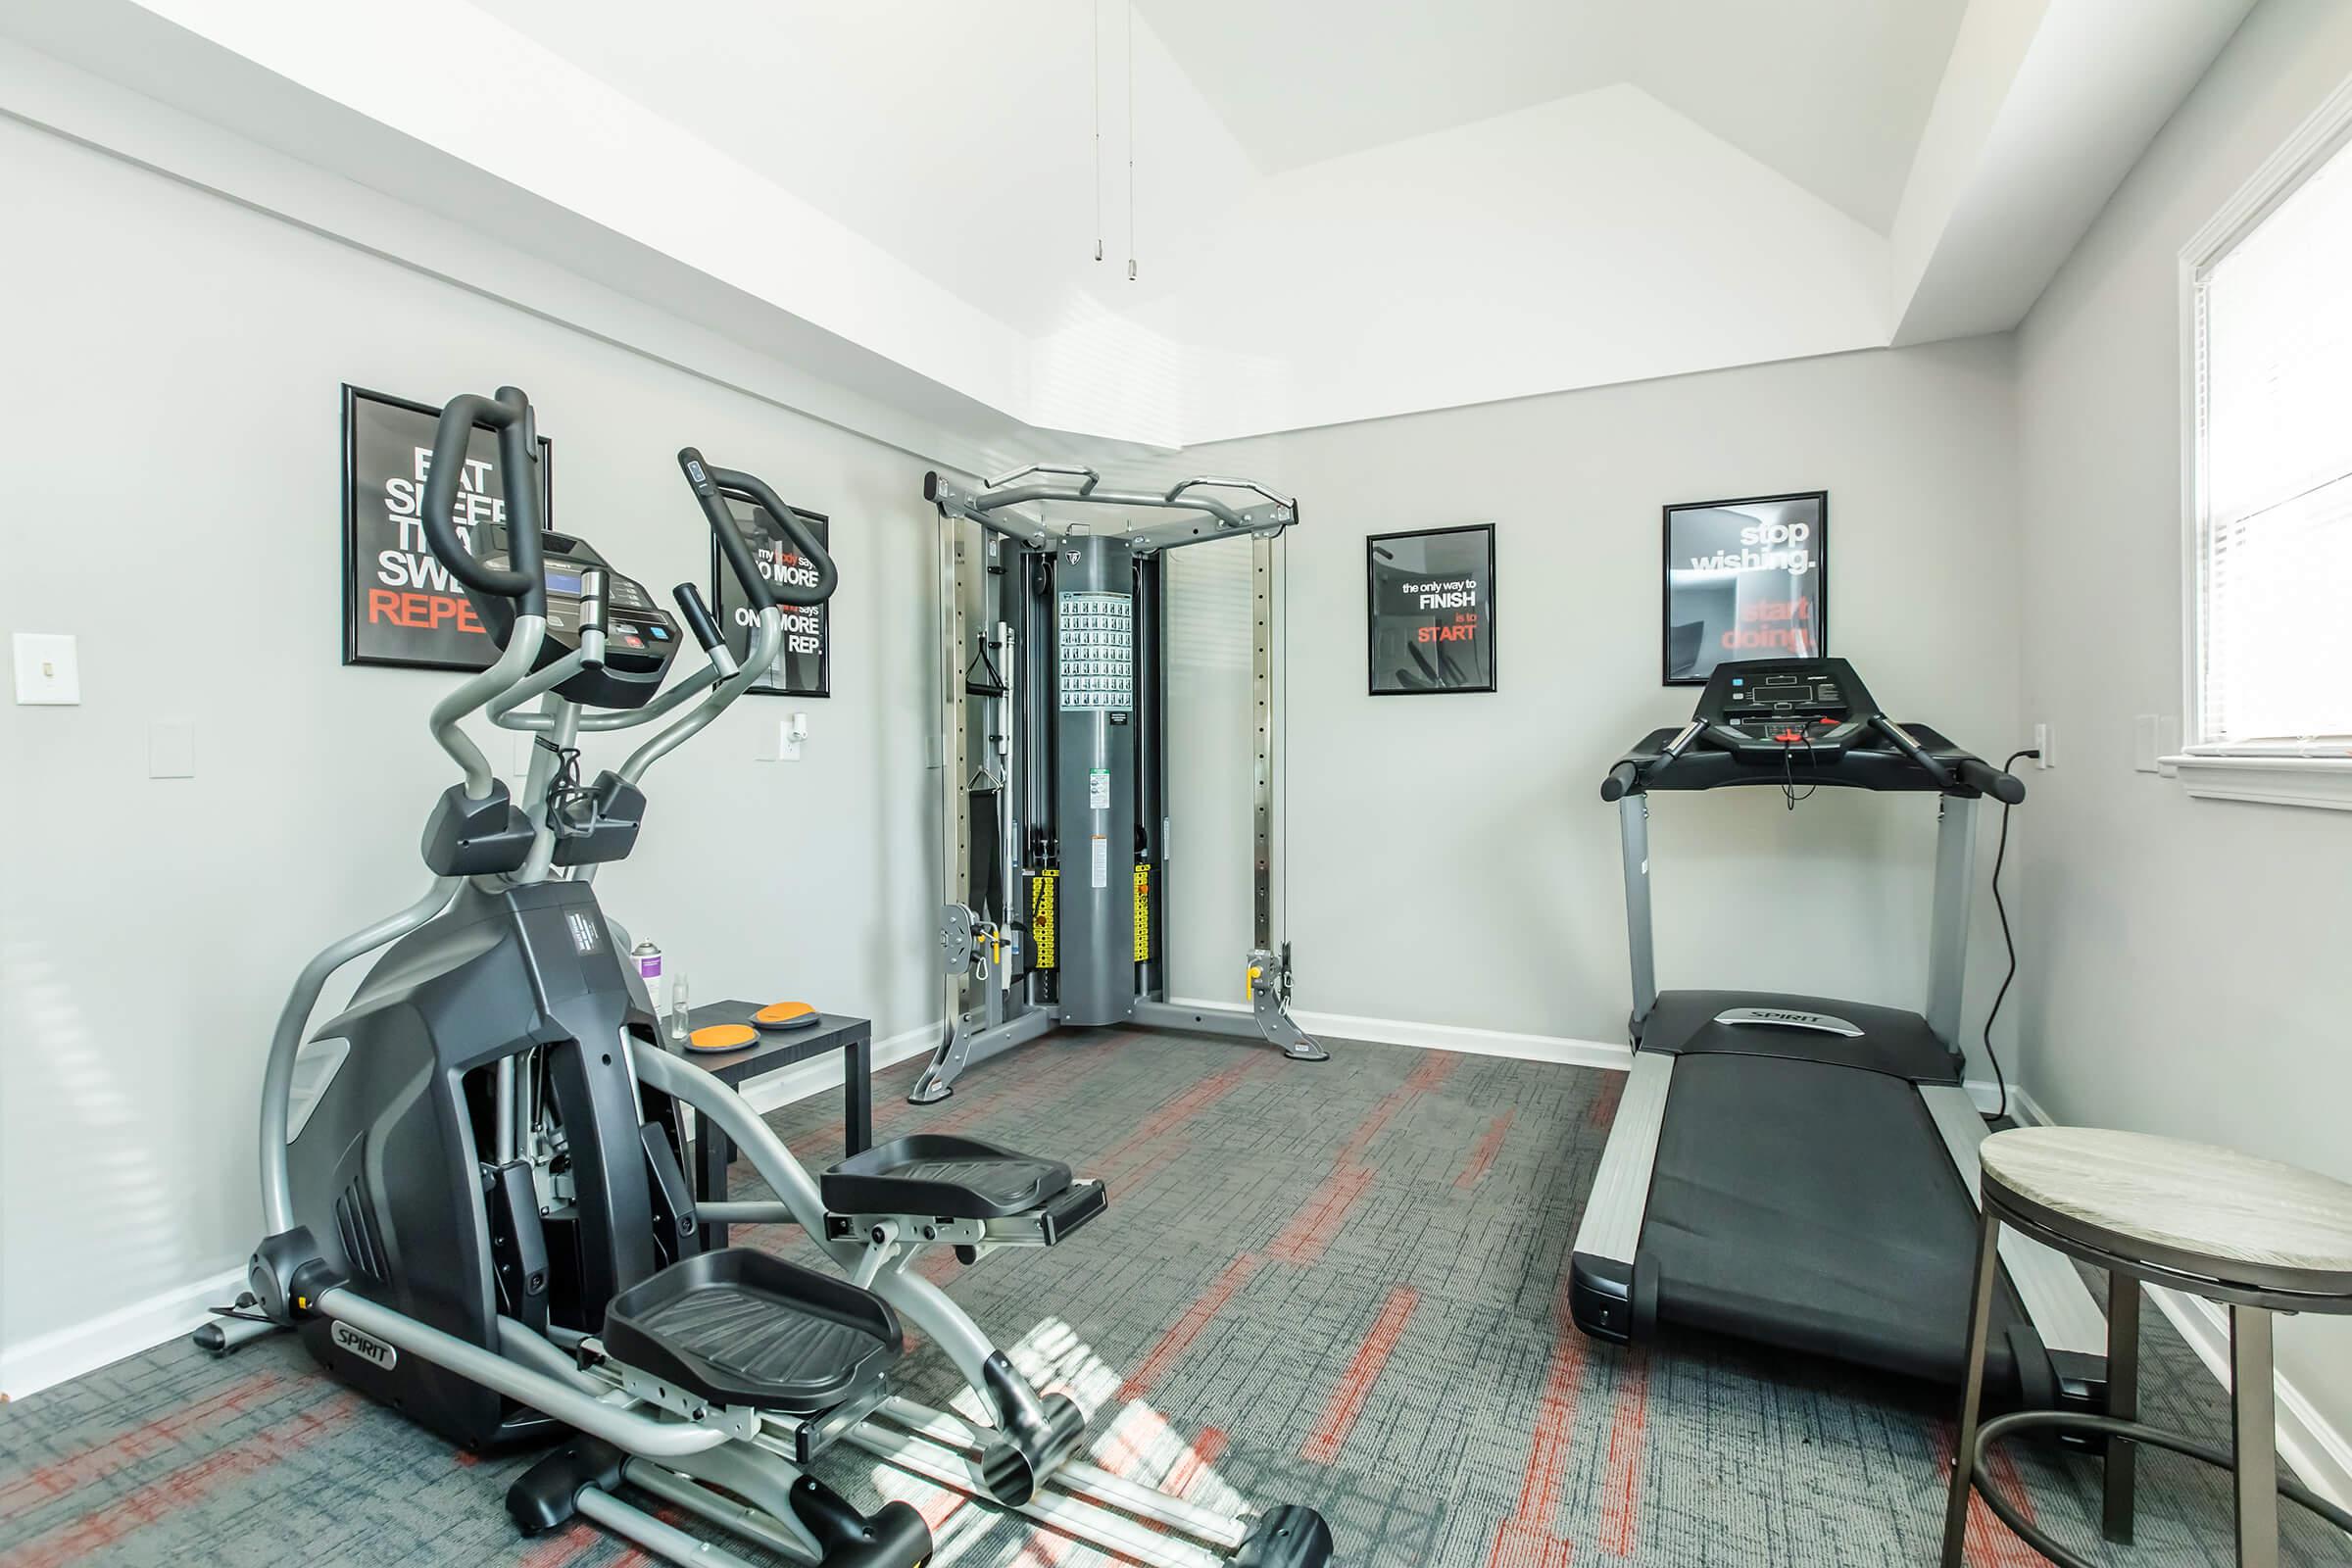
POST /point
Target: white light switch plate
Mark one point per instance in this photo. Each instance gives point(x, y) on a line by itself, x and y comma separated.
point(2144, 747)
point(48, 669)
point(171, 750)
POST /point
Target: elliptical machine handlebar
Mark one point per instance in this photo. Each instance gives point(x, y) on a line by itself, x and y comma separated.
point(510, 415)
point(697, 616)
point(712, 487)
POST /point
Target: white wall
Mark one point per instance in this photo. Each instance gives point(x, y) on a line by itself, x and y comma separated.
point(1450, 859)
point(2189, 974)
point(169, 476)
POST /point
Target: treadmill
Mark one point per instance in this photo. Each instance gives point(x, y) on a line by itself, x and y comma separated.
point(1801, 1171)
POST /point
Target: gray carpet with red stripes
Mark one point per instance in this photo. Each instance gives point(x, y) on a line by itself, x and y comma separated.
point(1335, 1284)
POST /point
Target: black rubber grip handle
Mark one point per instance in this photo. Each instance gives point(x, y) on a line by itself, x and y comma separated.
point(697, 616)
point(1912, 749)
point(2006, 788)
point(1620, 782)
point(712, 487)
point(731, 543)
point(510, 415)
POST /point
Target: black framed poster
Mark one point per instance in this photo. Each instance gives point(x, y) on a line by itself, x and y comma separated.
point(804, 667)
point(1431, 611)
point(400, 605)
point(1746, 579)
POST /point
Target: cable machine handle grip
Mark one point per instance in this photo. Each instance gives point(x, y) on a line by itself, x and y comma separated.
point(509, 412)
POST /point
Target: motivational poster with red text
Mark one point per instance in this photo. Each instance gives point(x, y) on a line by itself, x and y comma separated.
point(1746, 579)
point(1431, 610)
point(400, 604)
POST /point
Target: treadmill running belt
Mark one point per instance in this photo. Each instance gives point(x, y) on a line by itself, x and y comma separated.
point(1813, 1207)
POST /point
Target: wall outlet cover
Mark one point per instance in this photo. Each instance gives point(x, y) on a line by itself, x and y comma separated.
point(48, 669)
point(171, 750)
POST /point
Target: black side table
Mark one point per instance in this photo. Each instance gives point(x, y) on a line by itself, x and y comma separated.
point(714, 1152)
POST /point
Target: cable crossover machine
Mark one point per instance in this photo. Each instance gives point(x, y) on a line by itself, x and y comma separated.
point(1056, 844)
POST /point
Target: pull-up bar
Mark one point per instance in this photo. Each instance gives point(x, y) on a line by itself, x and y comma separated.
point(1276, 512)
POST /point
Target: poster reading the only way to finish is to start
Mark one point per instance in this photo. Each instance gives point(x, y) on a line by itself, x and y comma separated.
point(1431, 611)
point(400, 604)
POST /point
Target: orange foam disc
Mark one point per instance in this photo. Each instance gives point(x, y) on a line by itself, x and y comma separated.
point(723, 1037)
point(785, 1015)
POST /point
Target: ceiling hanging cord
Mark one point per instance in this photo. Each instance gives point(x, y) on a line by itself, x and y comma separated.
point(1096, 61)
point(1130, 142)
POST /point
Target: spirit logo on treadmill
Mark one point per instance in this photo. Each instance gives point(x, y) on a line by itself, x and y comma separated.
point(1790, 1019)
point(367, 1346)
point(583, 932)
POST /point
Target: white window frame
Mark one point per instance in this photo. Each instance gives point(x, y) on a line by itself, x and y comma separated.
point(2282, 773)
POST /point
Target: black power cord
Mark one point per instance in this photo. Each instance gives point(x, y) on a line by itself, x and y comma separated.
point(1789, 789)
point(2007, 941)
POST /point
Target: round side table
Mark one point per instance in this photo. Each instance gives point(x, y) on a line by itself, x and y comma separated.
point(2262, 1236)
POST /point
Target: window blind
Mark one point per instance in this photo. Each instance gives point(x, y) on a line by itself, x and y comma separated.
point(2274, 517)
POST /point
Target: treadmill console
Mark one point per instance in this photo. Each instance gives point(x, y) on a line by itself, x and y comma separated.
point(640, 637)
point(1792, 721)
point(1770, 707)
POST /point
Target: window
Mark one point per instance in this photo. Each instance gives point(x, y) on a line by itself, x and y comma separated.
point(2271, 316)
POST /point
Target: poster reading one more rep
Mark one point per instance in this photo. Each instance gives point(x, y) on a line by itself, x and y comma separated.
point(400, 604)
point(1746, 579)
point(1431, 610)
point(803, 667)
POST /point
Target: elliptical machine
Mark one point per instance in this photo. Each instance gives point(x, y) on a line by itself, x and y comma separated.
point(478, 1215)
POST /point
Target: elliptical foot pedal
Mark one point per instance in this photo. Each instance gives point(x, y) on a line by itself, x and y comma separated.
point(741, 1327)
point(950, 1178)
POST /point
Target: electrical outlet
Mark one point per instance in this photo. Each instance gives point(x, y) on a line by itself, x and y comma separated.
point(2043, 743)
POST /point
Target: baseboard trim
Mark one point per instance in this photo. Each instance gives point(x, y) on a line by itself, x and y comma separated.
point(49, 1360)
point(776, 1090)
point(2312, 1447)
point(1563, 1049)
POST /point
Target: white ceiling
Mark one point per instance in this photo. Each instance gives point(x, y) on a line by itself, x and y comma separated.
point(1341, 209)
point(1830, 93)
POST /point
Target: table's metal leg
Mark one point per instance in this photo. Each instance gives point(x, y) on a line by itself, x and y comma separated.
point(1972, 1395)
point(2123, 1403)
point(858, 1095)
point(2254, 1414)
point(714, 1152)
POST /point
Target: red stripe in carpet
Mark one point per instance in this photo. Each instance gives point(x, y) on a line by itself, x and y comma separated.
point(1174, 1114)
point(556, 1552)
point(1198, 1460)
point(1603, 1109)
point(134, 1511)
point(1987, 1542)
point(1319, 1220)
point(1525, 1539)
point(148, 1438)
point(1355, 1383)
point(1433, 1069)
point(1190, 1327)
point(1621, 1492)
point(1482, 1157)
